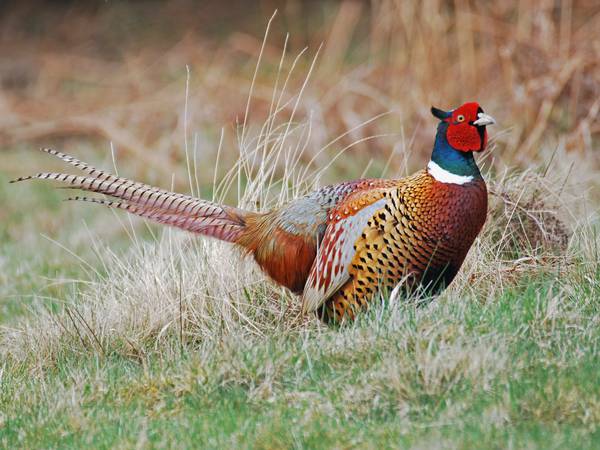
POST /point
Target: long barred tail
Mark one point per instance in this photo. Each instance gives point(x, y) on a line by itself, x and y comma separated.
point(182, 211)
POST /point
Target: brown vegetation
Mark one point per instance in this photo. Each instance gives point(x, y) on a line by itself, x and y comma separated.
point(118, 74)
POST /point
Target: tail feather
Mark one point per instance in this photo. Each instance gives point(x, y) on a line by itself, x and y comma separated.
point(224, 230)
point(180, 210)
point(85, 167)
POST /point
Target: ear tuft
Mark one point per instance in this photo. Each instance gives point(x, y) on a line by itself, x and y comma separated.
point(439, 113)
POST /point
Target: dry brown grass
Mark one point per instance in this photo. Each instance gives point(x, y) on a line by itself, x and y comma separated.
point(135, 302)
point(533, 64)
point(180, 292)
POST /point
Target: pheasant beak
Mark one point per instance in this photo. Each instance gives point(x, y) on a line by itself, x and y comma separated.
point(483, 119)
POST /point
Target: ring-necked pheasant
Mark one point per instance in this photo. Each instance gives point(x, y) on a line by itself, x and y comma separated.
point(341, 245)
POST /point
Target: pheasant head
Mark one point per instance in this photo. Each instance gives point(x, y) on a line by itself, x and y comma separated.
point(461, 132)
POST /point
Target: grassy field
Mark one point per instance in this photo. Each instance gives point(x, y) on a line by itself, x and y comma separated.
point(148, 353)
point(115, 333)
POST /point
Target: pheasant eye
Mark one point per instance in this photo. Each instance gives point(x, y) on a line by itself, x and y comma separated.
point(460, 118)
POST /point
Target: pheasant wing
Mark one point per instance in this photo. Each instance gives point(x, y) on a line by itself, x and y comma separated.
point(337, 248)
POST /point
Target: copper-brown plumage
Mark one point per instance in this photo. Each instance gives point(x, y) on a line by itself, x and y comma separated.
point(341, 245)
point(421, 237)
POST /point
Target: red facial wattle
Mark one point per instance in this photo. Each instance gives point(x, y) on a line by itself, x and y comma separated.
point(462, 134)
point(466, 137)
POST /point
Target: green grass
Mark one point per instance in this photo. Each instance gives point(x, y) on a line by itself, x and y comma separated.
point(145, 355)
point(43, 241)
point(517, 370)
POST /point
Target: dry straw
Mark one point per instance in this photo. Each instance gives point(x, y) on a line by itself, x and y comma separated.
point(183, 293)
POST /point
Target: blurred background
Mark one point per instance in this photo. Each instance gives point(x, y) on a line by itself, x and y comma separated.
point(141, 80)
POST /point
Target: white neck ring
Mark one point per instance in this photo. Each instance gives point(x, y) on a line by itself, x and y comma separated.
point(444, 176)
